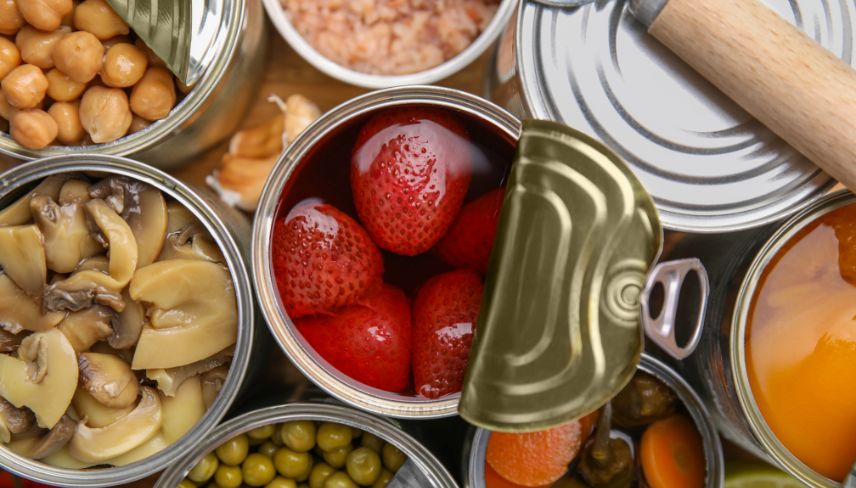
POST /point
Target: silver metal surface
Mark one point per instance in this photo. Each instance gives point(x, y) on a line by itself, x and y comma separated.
point(709, 166)
point(234, 57)
point(435, 475)
point(474, 454)
point(662, 329)
point(229, 231)
point(281, 326)
point(646, 11)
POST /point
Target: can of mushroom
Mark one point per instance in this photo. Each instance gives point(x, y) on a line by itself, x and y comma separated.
point(477, 473)
point(157, 333)
point(162, 123)
point(416, 468)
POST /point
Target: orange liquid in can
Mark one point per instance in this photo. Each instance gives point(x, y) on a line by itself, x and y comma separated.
point(801, 344)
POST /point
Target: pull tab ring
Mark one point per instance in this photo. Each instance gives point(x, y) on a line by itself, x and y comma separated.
point(661, 329)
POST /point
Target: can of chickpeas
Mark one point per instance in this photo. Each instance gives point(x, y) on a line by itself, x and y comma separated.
point(656, 397)
point(115, 362)
point(315, 443)
point(77, 79)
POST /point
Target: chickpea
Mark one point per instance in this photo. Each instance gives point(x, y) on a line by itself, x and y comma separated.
point(115, 40)
point(124, 65)
point(33, 128)
point(154, 59)
point(105, 114)
point(45, 15)
point(154, 96)
point(138, 124)
point(184, 89)
point(67, 118)
point(10, 18)
point(37, 46)
point(25, 86)
point(62, 88)
point(10, 57)
point(96, 17)
point(79, 55)
point(6, 110)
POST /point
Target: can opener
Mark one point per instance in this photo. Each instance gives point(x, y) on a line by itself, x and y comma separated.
point(783, 78)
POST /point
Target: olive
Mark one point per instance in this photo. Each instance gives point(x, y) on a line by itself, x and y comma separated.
point(363, 465)
point(372, 441)
point(320, 472)
point(186, 484)
point(204, 469)
point(330, 436)
point(267, 449)
point(298, 436)
point(384, 478)
point(258, 470)
point(228, 476)
point(280, 482)
point(337, 457)
point(392, 457)
point(292, 464)
point(261, 433)
point(339, 479)
point(233, 451)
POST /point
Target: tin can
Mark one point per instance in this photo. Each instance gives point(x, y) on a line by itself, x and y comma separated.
point(227, 227)
point(718, 369)
point(282, 327)
point(232, 42)
point(709, 166)
point(475, 457)
point(425, 466)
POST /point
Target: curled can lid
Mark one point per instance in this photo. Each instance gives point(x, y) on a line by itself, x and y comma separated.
point(559, 330)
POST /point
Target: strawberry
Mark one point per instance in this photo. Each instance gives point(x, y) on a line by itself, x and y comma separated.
point(322, 259)
point(410, 171)
point(469, 240)
point(369, 341)
point(444, 316)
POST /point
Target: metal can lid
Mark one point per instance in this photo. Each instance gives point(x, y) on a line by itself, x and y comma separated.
point(559, 329)
point(709, 166)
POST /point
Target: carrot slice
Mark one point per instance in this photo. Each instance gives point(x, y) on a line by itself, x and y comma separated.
point(672, 454)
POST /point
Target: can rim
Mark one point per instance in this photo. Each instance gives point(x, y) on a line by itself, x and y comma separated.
point(475, 453)
point(740, 317)
point(32, 171)
point(233, 18)
point(366, 80)
point(386, 430)
point(280, 325)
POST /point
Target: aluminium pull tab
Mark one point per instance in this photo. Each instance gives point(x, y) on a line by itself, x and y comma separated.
point(661, 330)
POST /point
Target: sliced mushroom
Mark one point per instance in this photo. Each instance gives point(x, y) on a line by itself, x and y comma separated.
point(62, 459)
point(99, 444)
point(126, 355)
point(183, 411)
point(96, 413)
point(14, 420)
point(84, 288)
point(18, 311)
point(127, 325)
point(212, 383)
point(9, 342)
point(187, 238)
point(83, 329)
point(50, 398)
point(108, 379)
point(149, 448)
point(66, 233)
point(55, 439)
point(98, 263)
point(23, 447)
point(169, 380)
point(19, 212)
point(193, 313)
point(143, 207)
point(74, 191)
point(22, 256)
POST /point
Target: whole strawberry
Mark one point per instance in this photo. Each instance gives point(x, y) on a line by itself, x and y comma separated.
point(469, 241)
point(444, 317)
point(410, 171)
point(369, 341)
point(322, 259)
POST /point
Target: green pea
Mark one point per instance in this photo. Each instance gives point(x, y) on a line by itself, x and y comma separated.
point(339, 479)
point(280, 482)
point(261, 433)
point(372, 441)
point(233, 451)
point(320, 473)
point(204, 469)
point(268, 449)
point(337, 457)
point(384, 478)
point(363, 466)
point(292, 464)
point(186, 484)
point(228, 477)
point(258, 470)
point(392, 457)
point(331, 436)
point(298, 436)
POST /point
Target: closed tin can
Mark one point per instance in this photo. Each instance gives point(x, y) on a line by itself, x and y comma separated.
point(708, 165)
point(719, 369)
point(229, 230)
point(475, 450)
point(230, 42)
point(422, 467)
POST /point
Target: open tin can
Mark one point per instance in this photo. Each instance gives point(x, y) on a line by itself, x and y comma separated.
point(230, 46)
point(475, 451)
point(228, 229)
point(421, 469)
